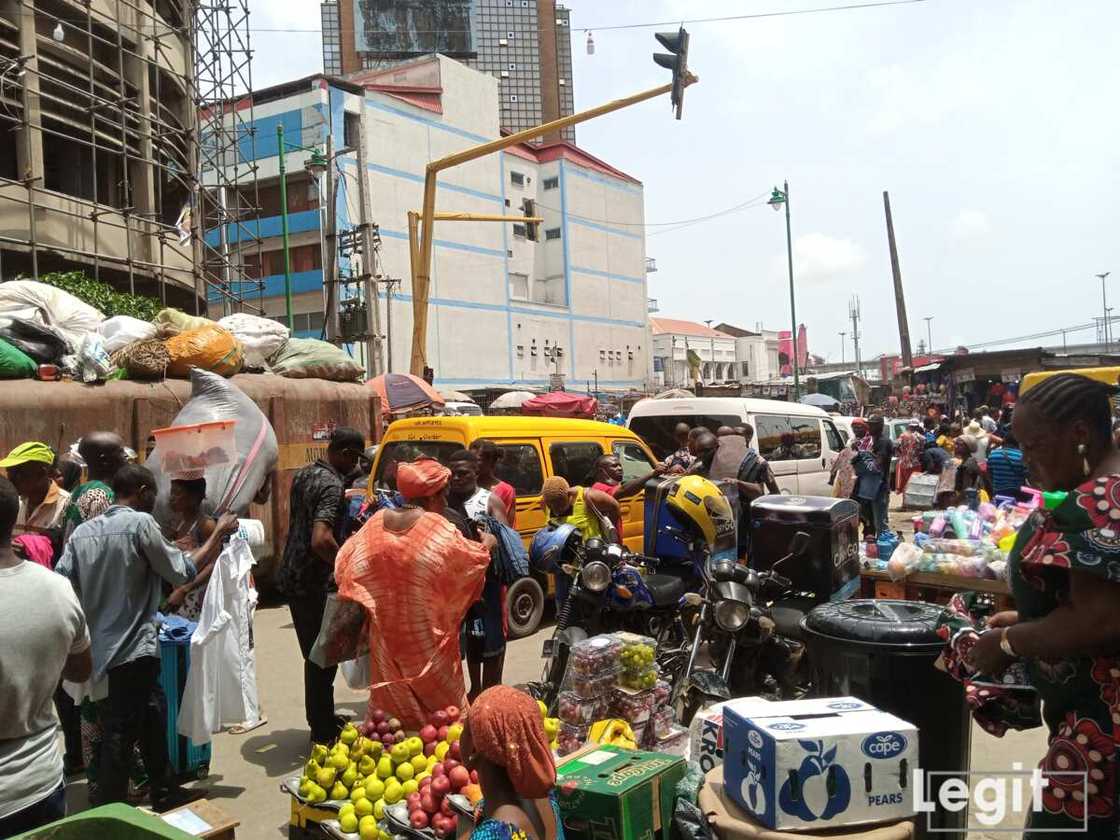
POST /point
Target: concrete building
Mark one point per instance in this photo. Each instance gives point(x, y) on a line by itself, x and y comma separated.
point(712, 353)
point(524, 44)
point(756, 354)
point(509, 304)
point(97, 142)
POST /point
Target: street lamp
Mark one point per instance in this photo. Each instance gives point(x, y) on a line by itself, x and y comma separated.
point(1104, 305)
point(929, 335)
point(842, 336)
point(778, 198)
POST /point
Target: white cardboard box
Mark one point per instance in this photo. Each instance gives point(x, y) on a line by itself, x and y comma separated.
point(705, 733)
point(819, 763)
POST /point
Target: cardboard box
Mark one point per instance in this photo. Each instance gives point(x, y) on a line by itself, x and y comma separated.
point(819, 763)
point(705, 733)
point(203, 819)
point(608, 793)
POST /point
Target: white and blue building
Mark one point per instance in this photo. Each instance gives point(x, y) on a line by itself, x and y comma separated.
point(505, 308)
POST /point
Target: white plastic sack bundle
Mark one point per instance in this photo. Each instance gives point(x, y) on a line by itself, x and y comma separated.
point(262, 336)
point(230, 486)
point(121, 330)
point(71, 317)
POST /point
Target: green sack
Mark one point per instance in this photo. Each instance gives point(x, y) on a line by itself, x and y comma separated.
point(309, 358)
point(14, 363)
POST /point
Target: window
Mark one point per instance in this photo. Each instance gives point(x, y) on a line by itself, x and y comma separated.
point(351, 127)
point(635, 462)
point(521, 467)
point(513, 97)
point(404, 451)
point(520, 231)
point(657, 432)
point(519, 286)
point(774, 435)
point(746, 369)
point(835, 440)
point(552, 233)
point(512, 66)
point(552, 183)
point(806, 437)
point(517, 179)
point(575, 461)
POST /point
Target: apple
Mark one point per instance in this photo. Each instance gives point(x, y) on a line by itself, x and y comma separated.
point(388, 740)
point(375, 736)
point(394, 724)
point(438, 769)
point(430, 748)
point(439, 718)
point(377, 715)
point(429, 803)
point(474, 777)
point(453, 714)
point(446, 809)
point(454, 750)
point(449, 764)
point(383, 727)
point(398, 735)
point(459, 777)
point(446, 825)
point(442, 733)
point(441, 785)
point(425, 781)
point(413, 801)
point(418, 819)
point(428, 733)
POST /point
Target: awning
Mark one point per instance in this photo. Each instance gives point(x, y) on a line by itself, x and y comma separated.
point(928, 368)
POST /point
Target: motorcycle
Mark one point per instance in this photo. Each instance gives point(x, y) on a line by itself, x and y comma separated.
point(603, 588)
point(744, 622)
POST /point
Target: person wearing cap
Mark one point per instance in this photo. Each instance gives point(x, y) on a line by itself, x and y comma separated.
point(416, 575)
point(42, 503)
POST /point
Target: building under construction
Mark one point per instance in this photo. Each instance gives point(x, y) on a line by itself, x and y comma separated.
point(115, 156)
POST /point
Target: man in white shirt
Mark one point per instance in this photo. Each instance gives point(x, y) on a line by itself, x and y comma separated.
point(41, 645)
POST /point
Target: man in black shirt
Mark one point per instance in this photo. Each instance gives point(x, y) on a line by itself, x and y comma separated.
point(317, 515)
point(882, 450)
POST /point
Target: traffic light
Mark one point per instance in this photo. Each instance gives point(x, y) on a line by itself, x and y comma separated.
point(676, 60)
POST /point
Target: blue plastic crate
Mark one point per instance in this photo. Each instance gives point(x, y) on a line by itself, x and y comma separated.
point(187, 759)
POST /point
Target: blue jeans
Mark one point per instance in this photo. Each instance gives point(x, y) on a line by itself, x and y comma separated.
point(34, 816)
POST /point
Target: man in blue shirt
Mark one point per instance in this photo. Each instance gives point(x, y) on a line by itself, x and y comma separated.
point(1006, 468)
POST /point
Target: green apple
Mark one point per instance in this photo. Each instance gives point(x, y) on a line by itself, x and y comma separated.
point(415, 746)
point(400, 752)
point(375, 789)
point(405, 771)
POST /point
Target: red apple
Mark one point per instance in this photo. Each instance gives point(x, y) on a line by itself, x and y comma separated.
point(453, 714)
point(446, 809)
point(438, 770)
point(429, 803)
point(430, 748)
point(418, 819)
point(377, 715)
point(439, 718)
point(449, 764)
point(425, 782)
point(394, 724)
point(474, 777)
point(388, 740)
point(459, 776)
point(428, 733)
point(444, 825)
point(442, 733)
point(413, 801)
point(383, 727)
point(453, 750)
point(441, 785)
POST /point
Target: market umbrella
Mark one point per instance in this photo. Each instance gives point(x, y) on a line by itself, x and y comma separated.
point(403, 392)
point(821, 400)
point(456, 396)
point(561, 404)
point(512, 399)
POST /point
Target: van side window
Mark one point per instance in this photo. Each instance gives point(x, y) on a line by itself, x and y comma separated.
point(575, 461)
point(835, 438)
point(806, 437)
point(657, 430)
point(774, 435)
point(402, 451)
point(633, 459)
point(521, 467)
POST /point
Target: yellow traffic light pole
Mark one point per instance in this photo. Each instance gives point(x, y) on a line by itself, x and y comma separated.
point(420, 226)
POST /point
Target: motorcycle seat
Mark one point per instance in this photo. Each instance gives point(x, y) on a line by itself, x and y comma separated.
point(787, 615)
point(666, 590)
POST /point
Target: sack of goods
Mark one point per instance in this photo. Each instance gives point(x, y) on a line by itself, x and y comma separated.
point(171, 322)
point(143, 359)
point(309, 358)
point(51, 307)
point(121, 330)
point(43, 344)
point(209, 348)
point(260, 336)
point(14, 363)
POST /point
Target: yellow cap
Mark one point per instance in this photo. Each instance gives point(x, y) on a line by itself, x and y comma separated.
point(27, 452)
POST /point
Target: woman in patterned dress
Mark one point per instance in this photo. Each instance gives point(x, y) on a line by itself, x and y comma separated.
point(190, 529)
point(1065, 576)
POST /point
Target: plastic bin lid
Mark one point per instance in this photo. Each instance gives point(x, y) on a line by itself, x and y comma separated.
point(877, 621)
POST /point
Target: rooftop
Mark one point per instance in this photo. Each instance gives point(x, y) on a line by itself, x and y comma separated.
point(675, 326)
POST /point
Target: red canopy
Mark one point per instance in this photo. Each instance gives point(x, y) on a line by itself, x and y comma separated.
point(561, 404)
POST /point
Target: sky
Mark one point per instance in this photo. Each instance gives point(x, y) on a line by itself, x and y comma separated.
point(992, 123)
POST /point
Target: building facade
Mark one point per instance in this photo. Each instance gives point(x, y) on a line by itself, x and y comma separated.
point(510, 303)
point(756, 353)
point(524, 44)
point(684, 351)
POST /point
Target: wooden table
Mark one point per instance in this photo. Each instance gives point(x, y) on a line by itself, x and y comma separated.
point(934, 588)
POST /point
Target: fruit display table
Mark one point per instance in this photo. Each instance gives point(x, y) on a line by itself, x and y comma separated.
point(934, 588)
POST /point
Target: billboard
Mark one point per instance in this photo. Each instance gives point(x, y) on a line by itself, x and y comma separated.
point(407, 28)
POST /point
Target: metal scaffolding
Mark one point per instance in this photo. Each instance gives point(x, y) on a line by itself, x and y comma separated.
point(112, 156)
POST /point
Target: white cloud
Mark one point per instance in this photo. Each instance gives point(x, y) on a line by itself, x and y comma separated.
point(819, 258)
point(971, 224)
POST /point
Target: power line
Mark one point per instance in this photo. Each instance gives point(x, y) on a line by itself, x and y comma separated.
point(750, 202)
point(649, 25)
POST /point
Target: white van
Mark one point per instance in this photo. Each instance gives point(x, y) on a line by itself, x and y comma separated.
point(799, 441)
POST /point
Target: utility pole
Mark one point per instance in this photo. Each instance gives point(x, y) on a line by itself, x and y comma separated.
point(390, 284)
point(929, 334)
point(842, 335)
point(369, 260)
point(899, 296)
point(853, 313)
point(330, 243)
point(1104, 306)
point(282, 151)
point(778, 198)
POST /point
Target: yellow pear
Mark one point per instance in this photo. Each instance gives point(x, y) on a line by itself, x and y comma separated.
point(339, 760)
point(453, 732)
point(375, 789)
point(411, 786)
point(441, 750)
point(357, 792)
point(384, 767)
point(348, 822)
point(419, 763)
point(350, 776)
point(349, 734)
point(316, 794)
point(379, 809)
point(363, 807)
point(393, 792)
point(367, 828)
point(367, 766)
point(318, 753)
point(305, 786)
point(405, 771)
point(325, 777)
point(339, 791)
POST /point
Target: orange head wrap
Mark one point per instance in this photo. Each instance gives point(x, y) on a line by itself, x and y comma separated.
point(422, 478)
point(506, 728)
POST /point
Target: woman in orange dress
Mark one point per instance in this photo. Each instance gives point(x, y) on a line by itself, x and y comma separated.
point(416, 575)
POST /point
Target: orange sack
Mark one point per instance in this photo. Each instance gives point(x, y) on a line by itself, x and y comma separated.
point(209, 348)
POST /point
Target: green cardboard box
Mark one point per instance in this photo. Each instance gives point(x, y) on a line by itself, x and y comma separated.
point(608, 793)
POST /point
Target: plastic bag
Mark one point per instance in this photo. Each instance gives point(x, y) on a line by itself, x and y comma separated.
point(209, 348)
point(93, 360)
point(14, 363)
point(52, 307)
point(233, 485)
point(169, 322)
point(121, 330)
point(143, 359)
point(309, 358)
point(43, 344)
point(904, 559)
point(357, 672)
point(262, 336)
point(343, 634)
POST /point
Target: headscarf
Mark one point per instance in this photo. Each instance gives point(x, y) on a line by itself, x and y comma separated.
point(422, 478)
point(555, 489)
point(507, 729)
point(862, 433)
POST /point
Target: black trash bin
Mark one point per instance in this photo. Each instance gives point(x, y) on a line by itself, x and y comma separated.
point(882, 652)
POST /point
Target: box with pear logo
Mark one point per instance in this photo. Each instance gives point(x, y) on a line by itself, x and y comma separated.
point(819, 763)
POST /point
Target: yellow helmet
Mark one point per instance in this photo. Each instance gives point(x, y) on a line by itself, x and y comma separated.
point(700, 502)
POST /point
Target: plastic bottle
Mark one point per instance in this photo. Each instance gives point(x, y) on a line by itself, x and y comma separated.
point(937, 527)
point(1035, 500)
point(1054, 498)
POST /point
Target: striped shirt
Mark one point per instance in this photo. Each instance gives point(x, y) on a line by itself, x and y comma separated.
point(1007, 470)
